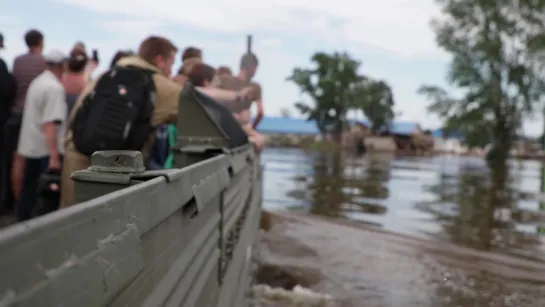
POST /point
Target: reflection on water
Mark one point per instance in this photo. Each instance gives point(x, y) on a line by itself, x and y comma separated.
point(447, 199)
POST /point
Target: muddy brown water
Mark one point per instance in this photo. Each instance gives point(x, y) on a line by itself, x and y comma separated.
point(385, 231)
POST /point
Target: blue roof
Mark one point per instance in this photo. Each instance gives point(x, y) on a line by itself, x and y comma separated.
point(403, 128)
point(439, 133)
point(287, 125)
point(290, 125)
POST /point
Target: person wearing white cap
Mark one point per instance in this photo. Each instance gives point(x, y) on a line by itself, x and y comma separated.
point(42, 132)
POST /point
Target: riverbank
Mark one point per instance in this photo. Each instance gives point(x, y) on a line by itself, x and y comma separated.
point(386, 145)
point(365, 266)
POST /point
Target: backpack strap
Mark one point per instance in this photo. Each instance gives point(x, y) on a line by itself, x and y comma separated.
point(146, 70)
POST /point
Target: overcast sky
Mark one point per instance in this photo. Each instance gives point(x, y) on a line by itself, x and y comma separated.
point(391, 37)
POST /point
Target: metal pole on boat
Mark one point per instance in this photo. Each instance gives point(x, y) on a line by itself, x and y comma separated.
point(249, 44)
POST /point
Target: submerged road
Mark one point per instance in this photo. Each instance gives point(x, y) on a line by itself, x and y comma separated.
point(369, 267)
point(404, 231)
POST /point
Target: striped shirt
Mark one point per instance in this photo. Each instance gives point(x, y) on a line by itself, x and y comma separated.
point(26, 67)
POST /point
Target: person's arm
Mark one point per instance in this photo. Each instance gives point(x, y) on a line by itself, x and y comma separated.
point(50, 135)
point(228, 96)
point(15, 66)
point(14, 69)
point(89, 69)
point(220, 95)
point(168, 92)
point(259, 102)
point(54, 114)
point(259, 115)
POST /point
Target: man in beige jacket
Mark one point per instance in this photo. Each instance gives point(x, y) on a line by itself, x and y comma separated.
point(155, 54)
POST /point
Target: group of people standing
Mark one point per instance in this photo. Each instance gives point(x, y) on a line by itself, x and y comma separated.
point(53, 115)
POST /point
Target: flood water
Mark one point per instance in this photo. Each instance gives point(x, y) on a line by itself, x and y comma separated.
point(445, 200)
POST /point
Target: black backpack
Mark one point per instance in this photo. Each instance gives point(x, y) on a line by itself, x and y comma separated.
point(116, 115)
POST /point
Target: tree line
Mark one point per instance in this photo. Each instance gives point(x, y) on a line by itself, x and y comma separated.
point(335, 87)
point(497, 64)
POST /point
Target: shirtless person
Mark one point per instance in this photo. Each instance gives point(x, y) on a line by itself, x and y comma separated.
point(190, 57)
point(224, 71)
point(241, 111)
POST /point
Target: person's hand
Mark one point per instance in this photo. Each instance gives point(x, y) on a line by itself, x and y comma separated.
point(258, 140)
point(54, 163)
point(17, 170)
point(248, 93)
point(89, 69)
point(92, 65)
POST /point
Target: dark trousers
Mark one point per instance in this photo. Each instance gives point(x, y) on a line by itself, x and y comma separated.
point(10, 139)
point(34, 168)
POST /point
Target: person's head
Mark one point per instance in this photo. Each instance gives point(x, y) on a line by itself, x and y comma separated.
point(77, 60)
point(201, 75)
point(224, 71)
point(1, 41)
point(188, 65)
point(159, 52)
point(56, 62)
point(119, 55)
point(34, 40)
point(80, 46)
point(190, 53)
point(248, 64)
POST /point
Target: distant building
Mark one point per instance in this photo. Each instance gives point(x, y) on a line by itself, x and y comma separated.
point(450, 143)
point(403, 133)
point(288, 131)
point(404, 128)
point(287, 125)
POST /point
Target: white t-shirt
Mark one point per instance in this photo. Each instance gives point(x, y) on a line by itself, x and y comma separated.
point(45, 103)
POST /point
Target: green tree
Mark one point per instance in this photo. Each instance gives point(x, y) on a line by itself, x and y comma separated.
point(329, 84)
point(492, 44)
point(376, 100)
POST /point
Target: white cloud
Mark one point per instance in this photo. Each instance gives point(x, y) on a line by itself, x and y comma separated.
point(7, 20)
point(133, 28)
point(270, 42)
point(397, 26)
